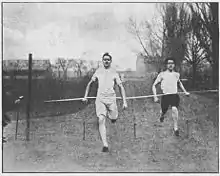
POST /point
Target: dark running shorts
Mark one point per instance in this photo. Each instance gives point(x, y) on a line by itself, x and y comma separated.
point(169, 100)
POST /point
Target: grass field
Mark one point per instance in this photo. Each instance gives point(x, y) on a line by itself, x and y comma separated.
point(57, 143)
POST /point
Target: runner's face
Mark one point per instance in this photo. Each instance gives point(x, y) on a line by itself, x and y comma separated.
point(170, 65)
point(106, 61)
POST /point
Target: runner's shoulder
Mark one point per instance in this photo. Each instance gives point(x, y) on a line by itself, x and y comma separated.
point(177, 73)
point(161, 73)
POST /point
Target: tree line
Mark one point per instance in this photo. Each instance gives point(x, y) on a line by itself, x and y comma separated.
point(188, 32)
point(58, 69)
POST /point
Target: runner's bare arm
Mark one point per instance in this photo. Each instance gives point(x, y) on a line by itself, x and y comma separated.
point(157, 81)
point(122, 91)
point(123, 95)
point(88, 87)
point(182, 87)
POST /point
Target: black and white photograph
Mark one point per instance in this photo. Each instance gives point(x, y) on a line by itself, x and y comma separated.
point(110, 87)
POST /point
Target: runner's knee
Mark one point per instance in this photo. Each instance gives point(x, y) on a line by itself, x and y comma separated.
point(174, 110)
point(101, 119)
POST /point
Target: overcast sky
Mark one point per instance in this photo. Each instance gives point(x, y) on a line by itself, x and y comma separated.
point(73, 30)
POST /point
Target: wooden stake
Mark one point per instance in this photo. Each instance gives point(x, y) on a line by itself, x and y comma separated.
point(84, 130)
point(17, 117)
point(187, 128)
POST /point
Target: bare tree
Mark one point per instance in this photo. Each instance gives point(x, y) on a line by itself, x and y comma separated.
point(195, 54)
point(177, 25)
point(58, 67)
point(79, 66)
point(18, 67)
point(15, 66)
point(138, 31)
point(64, 64)
point(4, 69)
point(150, 37)
point(205, 15)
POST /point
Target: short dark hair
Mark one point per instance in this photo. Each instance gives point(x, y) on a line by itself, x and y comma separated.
point(170, 58)
point(107, 54)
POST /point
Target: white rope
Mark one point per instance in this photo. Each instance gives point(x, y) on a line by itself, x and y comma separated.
point(128, 98)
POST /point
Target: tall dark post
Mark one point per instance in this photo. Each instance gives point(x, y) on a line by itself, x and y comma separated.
point(84, 130)
point(29, 98)
point(187, 128)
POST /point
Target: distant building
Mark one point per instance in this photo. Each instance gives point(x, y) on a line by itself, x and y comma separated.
point(145, 65)
point(140, 65)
